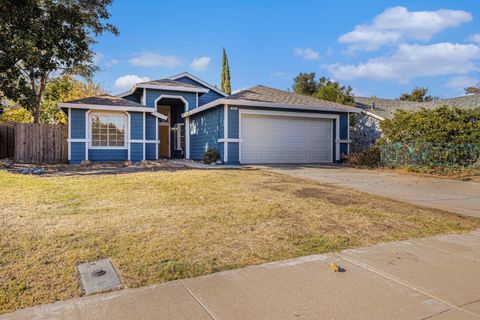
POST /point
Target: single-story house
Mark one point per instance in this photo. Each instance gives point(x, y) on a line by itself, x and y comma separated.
point(182, 116)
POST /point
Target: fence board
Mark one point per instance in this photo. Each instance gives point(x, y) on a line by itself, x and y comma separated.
point(7, 141)
point(40, 143)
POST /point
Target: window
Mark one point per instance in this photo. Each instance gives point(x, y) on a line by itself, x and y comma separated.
point(108, 130)
point(179, 136)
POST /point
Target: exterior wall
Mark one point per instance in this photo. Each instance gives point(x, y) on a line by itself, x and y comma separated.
point(137, 130)
point(208, 125)
point(78, 130)
point(77, 152)
point(204, 98)
point(152, 95)
point(136, 125)
point(107, 154)
point(205, 130)
point(364, 133)
point(135, 96)
point(136, 152)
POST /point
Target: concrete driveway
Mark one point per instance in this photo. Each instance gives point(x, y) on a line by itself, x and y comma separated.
point(462, 197)
point(431, 278)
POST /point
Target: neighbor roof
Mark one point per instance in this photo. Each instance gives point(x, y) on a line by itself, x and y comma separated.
point(386, 108)
point(262, 96)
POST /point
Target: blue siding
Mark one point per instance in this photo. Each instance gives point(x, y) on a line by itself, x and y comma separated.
point(136, 125)
point(343, 149)
point(344, 126)
point(77, 152)
point(78, 124)
point(150, 151)
point(206, 97)
point(233, 153)
point(136, 96)
point(136, 152)
point(233, 123)
point(107, 154)
point(152, 95)
point(205, 130)
point(151, 127)
point(334, 135)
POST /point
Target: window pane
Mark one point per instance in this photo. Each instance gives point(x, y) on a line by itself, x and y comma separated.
point(108, 131)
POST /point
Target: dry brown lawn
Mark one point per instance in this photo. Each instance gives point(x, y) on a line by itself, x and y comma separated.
point(160, 226)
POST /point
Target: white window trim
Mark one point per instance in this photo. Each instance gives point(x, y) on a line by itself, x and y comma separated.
point(107, 113)
point(178, 137)
point(291, 114)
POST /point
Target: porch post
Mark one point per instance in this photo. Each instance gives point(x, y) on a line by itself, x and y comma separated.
point(187, 138)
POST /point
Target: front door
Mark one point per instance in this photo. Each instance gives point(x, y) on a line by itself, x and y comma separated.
point(164, 134)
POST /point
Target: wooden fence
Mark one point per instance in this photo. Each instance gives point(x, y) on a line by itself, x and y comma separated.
point(39, 143)
point(7, 141)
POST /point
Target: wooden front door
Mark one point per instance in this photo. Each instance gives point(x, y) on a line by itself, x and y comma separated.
point(164, 133)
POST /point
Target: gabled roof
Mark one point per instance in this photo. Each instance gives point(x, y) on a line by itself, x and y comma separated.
point(206, 84)
point(385, 108)
point(170, 83)
point(108, 103)
point(262, 96)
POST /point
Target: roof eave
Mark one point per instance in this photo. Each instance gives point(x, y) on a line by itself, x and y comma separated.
point(171, 88)
point(206, 84)
point(104, 107)
point(240, 102)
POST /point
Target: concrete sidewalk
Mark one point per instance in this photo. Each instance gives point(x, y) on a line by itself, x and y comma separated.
point(461, 197)
point(430, 278)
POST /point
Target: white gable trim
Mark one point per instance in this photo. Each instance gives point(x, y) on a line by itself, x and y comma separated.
point(206, 84)
point(171, 97)
point(373, 115)
point(103, 107)
point(270, 105)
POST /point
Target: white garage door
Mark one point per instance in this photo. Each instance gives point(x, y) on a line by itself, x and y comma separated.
point(285, 139)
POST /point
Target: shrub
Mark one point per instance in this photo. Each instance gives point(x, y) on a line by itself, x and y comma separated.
point(211, 155)
point(369, 157)
point(441, 125)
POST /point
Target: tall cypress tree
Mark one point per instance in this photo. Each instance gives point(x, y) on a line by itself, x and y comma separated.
point(226, 87)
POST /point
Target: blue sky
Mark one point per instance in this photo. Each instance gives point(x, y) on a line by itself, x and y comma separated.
point(380, 48)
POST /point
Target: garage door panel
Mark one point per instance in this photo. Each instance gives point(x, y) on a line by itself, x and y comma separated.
point(283, 139)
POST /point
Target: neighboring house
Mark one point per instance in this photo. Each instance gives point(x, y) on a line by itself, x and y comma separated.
point(375, 110)
point(257, 125)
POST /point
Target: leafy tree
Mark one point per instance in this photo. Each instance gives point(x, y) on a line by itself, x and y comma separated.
point(61, 89)
point(10, 113)
point(417, 95)
point(305, 84)
point(441, 125)
point(226, 86)
point(332, 91)
point(39, 38)
point(324, 88)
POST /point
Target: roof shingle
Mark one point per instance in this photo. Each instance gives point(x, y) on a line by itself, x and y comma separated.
point(107, 100)
point(266, 94)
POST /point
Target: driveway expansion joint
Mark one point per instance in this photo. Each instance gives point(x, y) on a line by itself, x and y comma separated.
point(198, 300)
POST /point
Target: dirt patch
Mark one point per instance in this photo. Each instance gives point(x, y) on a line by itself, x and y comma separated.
point(100, 168)
point(331, 197)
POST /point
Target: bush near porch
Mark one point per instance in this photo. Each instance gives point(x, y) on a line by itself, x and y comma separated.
point(166, 225)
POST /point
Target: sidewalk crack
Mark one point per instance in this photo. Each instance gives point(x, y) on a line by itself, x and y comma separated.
point(198, 300)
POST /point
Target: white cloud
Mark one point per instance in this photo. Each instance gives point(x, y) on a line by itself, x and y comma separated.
point(412, 61)
point(306, 53)
point(329, 52)
point(127, 81)
point(149, 59)
point(461, 82)
point(200, 64)
point(397, 24)
point(112, 62)
point(98, 57)
point(475, 38)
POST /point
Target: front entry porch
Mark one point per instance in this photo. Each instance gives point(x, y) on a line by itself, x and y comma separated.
point(171, 133)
